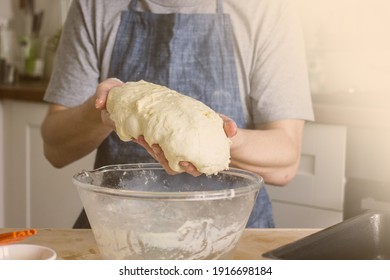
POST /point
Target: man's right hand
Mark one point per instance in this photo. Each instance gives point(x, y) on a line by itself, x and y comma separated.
point(101, 98)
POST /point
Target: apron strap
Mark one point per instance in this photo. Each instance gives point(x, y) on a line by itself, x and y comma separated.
point(133, 5)
point(219, 7)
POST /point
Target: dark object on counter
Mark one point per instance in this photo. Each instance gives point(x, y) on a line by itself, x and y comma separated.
point(7, 73)
point(364, 237)
point(82, 221)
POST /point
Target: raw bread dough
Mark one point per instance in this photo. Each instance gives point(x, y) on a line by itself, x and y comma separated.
point(184, 128)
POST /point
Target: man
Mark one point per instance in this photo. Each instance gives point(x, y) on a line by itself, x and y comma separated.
point(245, 59)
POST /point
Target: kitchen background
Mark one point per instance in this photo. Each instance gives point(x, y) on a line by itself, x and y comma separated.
point(345, 158)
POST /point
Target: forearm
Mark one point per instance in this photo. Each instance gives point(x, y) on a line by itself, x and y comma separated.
point(272, 152)
point(70, 134)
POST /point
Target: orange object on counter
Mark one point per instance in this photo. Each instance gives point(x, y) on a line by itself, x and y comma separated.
point(16, 236)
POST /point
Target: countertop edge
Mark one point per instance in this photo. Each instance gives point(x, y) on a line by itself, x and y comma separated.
point(33, 91)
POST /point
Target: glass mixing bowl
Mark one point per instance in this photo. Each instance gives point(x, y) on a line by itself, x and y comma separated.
point(138, 211)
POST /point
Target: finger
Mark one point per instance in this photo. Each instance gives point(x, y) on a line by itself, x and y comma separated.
point(156, 152)
point(229, 126)
point(160, 157)
point(102, 91)
point(190, 168)
point(141, 141)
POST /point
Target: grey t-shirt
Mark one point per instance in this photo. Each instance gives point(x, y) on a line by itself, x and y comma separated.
point(268, 45)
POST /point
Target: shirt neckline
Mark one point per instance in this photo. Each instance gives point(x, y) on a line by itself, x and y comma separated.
point(178, 3)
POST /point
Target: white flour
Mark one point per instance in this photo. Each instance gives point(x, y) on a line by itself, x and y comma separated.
point(197, 239)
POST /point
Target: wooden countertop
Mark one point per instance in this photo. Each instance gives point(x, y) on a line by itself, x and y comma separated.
point(79, 244)
point(24, 91)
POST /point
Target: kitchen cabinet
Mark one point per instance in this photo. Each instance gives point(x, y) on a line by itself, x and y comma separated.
point(35, 194)
point(366, 116)
point(315, 197)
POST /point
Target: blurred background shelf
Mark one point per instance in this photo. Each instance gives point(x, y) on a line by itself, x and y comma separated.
point(24, 90)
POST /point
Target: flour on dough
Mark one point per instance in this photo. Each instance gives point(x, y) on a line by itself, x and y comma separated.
point(184, 128)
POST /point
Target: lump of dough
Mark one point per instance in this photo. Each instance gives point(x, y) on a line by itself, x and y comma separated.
point(184, 128)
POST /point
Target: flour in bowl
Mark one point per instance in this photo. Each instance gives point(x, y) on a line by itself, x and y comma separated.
point(196, 239)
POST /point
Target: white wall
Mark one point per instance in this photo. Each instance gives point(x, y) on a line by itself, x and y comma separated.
point(54, 16)
point(348, 45)
point(6, 8)
point(52, 8)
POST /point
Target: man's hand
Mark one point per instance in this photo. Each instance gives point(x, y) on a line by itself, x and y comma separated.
point(101, 98)
point(157, 153)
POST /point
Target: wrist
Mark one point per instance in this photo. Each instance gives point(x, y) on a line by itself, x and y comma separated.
point(237, 140)
point(93, 115)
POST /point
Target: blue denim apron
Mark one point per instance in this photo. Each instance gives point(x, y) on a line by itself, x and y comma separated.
point(190, 53)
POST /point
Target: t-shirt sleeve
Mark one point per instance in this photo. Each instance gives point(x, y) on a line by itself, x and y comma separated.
point(279, 83)
point(76, 70)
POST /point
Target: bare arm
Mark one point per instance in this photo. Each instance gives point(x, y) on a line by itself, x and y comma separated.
point(271, 150)
point(71, 133)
